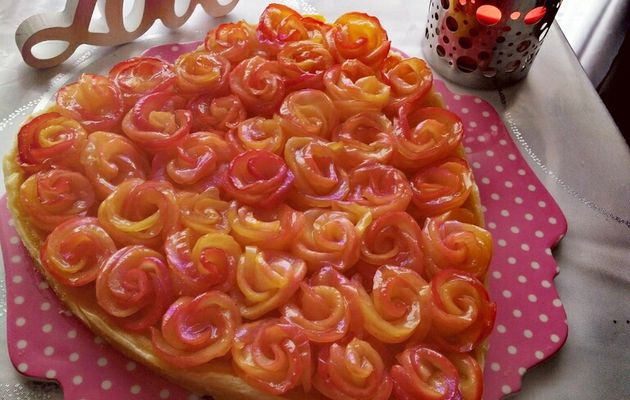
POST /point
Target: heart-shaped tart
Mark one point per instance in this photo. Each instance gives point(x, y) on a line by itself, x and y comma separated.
point(284, 212)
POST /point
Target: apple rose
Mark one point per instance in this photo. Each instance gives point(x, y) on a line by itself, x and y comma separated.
point(273, 229)
point(410, 79)
point(470, 375)
point(259, 83)
point(134, 287)
point(463, 315)
point(366, 136)
point(50, 141)
point(424, 135)
point(358, 36)
point(266, 280)
point(52, 197)
point(196, 330)
point(354, 87)
point(139, 212)
point(216, 113)
point(188, 279)
point(95, 101)
point(76, 250)
point(393, 239)
point(216, 254)
point(280, 25)
point(319, 180)
point(452, 240)
point(329, 276)
point(235, 41)
point(376, 188)
point(202, 72)
point(258, 178)
point(424, 373)
point(203, 212)
point(321, 311)
point(110, 159)
point(196, 160)
point(304, 64)
point(139, 76)
point(273, 356)
point(157, 121)
point(398, 307)
point(308, 112)
point(352, 371)
point(258, 133)
point(441, 186)
point(199, 264)
point(329, 238)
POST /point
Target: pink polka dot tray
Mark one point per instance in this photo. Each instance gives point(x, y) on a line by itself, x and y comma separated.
point(46, 342)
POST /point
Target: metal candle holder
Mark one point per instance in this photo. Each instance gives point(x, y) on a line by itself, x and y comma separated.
point(486, 43)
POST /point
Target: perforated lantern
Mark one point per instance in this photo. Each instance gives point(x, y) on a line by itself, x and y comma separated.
point(486, 43)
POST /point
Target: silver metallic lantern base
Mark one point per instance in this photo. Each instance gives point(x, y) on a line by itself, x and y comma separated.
point(471, 79)
point(486, 44)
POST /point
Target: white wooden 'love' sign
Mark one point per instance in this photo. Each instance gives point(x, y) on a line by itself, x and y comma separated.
point(61, 33)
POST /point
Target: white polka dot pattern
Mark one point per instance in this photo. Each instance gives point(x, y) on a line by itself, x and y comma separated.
point(523, 218)
point(525, 222)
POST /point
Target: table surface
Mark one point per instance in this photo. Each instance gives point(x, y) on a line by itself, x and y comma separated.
point(561, 127)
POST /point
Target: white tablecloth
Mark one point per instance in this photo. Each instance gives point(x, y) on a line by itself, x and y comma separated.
point(563, 130)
